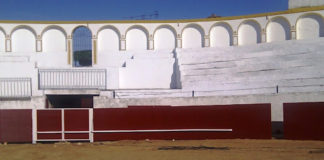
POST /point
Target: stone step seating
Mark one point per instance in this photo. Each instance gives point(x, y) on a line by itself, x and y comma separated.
point(293, 66)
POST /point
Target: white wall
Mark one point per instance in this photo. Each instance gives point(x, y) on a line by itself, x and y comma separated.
point(54, 41)
point(249, 32)
point(305, 3)
point(186, 35)
point(278, 29)
point(2, 41)
point(136, 39)
point(221, 35)
point(164, 39)
point(146, 73)
point(310, 26)
point(108, 41)
point(23, 40)
point(192, 37)
point(51, 60)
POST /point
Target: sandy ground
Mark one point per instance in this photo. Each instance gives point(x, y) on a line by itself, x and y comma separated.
point(170, 150)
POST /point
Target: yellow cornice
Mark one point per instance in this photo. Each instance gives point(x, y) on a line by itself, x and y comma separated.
point(296, 10)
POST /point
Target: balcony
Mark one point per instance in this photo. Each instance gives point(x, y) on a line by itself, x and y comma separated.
point(15, 88)
point(51, 79)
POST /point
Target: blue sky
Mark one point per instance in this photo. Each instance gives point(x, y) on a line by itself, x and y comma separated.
point(121, 9)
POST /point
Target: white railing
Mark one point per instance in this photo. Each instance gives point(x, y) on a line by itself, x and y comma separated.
point(12, 88)
point(72, 78)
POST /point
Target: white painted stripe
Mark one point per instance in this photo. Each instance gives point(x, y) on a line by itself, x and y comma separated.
point(53, 132)
point(164, 130)
point(50, 140)
point(49, 132)
point(76, 131)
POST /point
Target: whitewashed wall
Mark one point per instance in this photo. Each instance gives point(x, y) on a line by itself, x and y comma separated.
point(310, 26)
point(278, 29)
point(108, 40)
point(136, 39)
point(2, 40)
point(221, 35)
point(23, 40)
point(304, 3)
point(192, 36)
point(118, 43)
point(147, 72)
point(54, 40)
point(249, 33)
point(165, 38)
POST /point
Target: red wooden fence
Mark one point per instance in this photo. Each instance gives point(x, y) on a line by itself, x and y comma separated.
point(63, 124)
point(252, 121)
point(189, 122)
point(16, 125)
point(304, 121)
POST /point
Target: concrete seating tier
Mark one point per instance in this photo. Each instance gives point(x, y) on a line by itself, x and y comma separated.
point(290, 66)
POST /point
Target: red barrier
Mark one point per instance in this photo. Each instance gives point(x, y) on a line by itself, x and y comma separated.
point(246, 121)
point(304, 121)
point(16, 125)
point(49, 124)
point(49, 121)
point(76, 120)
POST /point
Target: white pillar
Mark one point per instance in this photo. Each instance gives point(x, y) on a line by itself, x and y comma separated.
point(207, 41)
point(179, 41)
point(69, 50)
point(293, 33)
point(151, 42)
point(62, 125)
point(263, 36)
point(91, 125)
point(235, 39)
point(34, 125)
point(39, 44)
point(94, 50)
point(123, 43)
point(8, 43)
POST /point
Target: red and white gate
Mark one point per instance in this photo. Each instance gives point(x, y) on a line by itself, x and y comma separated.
point(63, 125)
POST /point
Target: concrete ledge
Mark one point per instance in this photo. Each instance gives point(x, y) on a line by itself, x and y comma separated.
point(72, 92)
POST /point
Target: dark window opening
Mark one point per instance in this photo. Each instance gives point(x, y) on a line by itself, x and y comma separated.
point(69, 101)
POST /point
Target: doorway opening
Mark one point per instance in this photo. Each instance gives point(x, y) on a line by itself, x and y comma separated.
point(69, 101)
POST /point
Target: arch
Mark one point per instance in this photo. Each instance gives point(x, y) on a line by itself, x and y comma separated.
point(108, 39)
point(82, 46)
point(249, 32)
point(165, 37)
point(23, 39)
point(54, 39)
point(309, 26)
point(137, 38)
point(278, 29)
point(221, 34)
point(193, 36)
point(2, 40)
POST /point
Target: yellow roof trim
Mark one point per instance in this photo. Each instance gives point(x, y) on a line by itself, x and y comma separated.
point(296, 10)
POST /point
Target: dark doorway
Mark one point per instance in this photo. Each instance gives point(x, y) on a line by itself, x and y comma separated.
point(69, 101)
point(82, 47)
